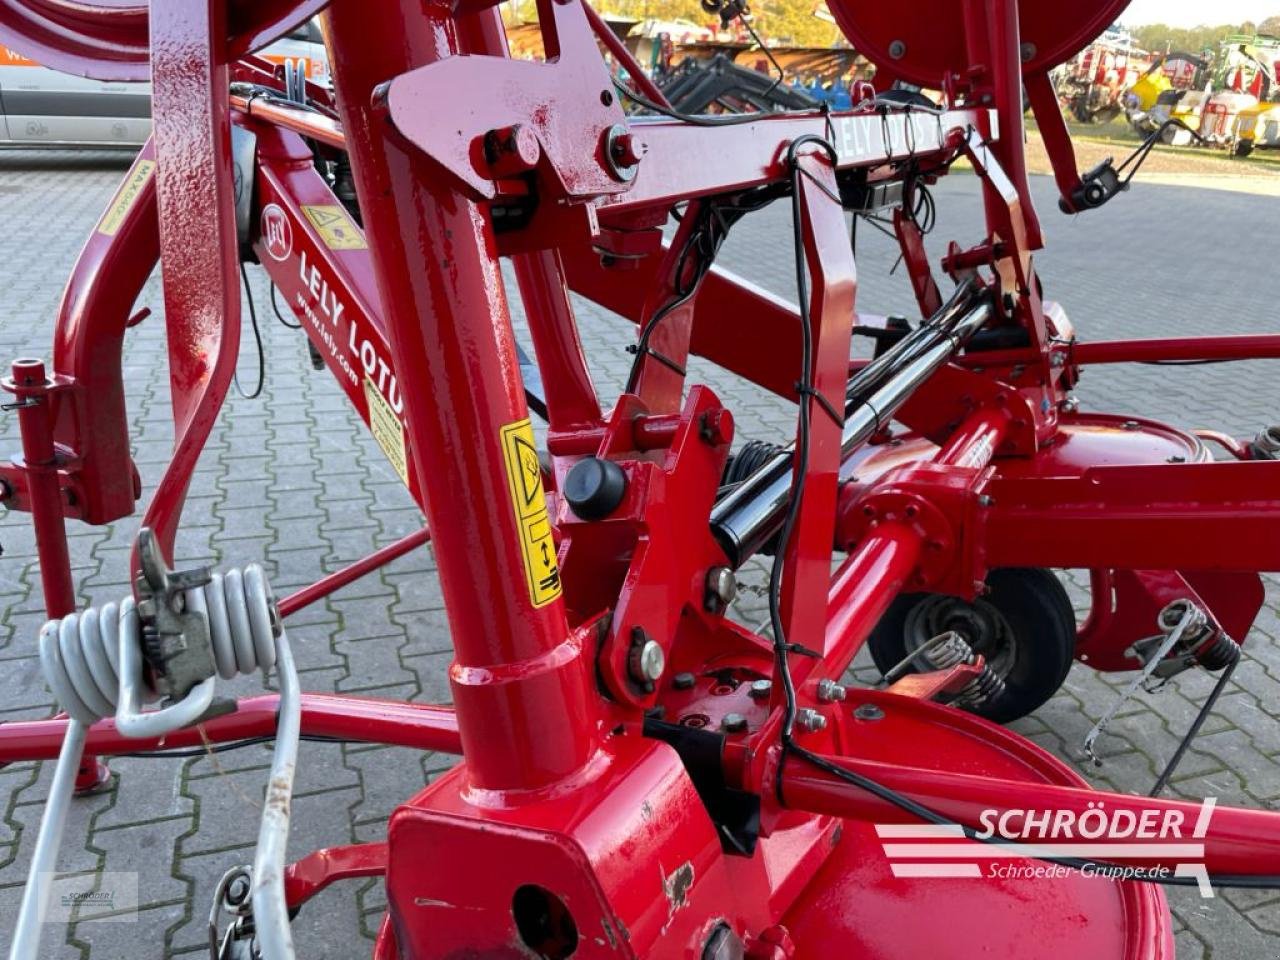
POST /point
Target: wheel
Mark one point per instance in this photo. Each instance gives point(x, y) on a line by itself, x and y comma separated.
point(1243, 148)
point(1023, 626)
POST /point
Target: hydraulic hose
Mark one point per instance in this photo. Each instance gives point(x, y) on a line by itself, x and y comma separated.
point(748, 517)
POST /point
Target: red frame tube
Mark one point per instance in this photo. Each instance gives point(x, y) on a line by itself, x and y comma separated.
point(32, 388)
point(390, 722)
point(1239, 841)
point(436, 259)
point(308, 595)
point(615, 46)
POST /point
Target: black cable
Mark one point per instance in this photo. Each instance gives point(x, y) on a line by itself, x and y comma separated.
point(703, 242)
point(782, 648)
point(905, 803)
point(800, 461)
point(280, 316)
point(1143, 150)
point(257, 336)
point(782, 75)
point(1196, 724)
point(188, 752)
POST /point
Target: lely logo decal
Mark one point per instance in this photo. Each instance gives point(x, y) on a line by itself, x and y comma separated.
point(1153, 845)
point(277, 234)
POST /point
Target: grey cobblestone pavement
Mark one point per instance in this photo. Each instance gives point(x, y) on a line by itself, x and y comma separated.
point(292, 480)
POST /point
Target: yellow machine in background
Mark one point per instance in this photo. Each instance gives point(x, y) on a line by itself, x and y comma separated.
point(1227, 101)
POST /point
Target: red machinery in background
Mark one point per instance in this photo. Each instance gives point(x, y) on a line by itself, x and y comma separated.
point(640, 775)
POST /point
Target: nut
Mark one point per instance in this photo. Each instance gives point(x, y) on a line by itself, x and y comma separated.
point(810, 721)
point(829, 691)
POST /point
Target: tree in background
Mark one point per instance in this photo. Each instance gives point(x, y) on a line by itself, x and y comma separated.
point(1160, 37)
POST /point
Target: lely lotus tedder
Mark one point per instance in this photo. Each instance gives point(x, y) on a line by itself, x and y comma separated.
point(639, 775)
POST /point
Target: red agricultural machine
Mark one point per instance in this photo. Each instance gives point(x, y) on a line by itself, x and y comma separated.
point(639, 775)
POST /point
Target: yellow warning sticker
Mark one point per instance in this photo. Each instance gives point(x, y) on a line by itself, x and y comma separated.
point(386, 429)
point(524, 481)
point(126, 196)
point(336, 228)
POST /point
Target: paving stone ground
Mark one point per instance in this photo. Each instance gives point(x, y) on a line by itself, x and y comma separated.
point(292, 480)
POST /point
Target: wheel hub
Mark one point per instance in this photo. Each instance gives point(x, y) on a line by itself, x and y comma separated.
point(979, 624)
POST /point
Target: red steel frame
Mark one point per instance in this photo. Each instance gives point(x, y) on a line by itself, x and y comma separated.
point(556, 780)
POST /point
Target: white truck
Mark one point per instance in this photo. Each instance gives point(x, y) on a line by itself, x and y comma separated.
point(40, 107)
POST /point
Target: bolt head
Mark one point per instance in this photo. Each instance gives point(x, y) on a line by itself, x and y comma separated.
point(733, 723)
point(716, 426)
point(647, 661)
point(722, 587)
point(830, 692)
point(761, 689)
point(511, 150)
point(684, 681)
point(628, 150)
point(810, 720)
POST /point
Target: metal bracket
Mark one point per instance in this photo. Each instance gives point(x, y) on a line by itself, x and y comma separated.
point(244, 174)
point(175, 640)
point(232, 896)
point(1180, 622)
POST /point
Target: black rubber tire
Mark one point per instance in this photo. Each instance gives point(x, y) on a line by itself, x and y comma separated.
point(1028, 605)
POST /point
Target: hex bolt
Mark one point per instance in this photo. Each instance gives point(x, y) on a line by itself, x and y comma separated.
point(733, 723)
point(810, 720)
point(829, 691)
point(722, 587)
point(1130, 424)
point(683, 681)
point(761, 689)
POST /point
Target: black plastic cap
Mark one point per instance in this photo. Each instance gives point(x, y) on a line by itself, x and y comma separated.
point(594, 487)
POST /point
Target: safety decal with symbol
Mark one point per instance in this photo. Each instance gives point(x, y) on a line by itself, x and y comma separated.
point(529, 502)
point(335, 226)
